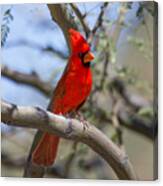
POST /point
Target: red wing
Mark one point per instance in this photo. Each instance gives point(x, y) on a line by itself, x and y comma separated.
point(58, 95)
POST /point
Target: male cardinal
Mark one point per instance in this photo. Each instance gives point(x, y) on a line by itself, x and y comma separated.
point(70, 93)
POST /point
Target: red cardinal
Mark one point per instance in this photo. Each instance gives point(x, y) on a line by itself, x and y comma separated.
point(70, 93)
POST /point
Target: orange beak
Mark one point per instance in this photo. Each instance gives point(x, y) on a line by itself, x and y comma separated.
point(88, 57)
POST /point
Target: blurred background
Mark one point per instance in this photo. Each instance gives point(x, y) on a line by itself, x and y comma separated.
point(121, 103)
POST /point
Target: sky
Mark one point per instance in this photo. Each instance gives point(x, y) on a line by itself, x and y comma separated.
point(33, 23)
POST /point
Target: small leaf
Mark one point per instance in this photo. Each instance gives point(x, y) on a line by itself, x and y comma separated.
point(146, 112)
point(7, 17)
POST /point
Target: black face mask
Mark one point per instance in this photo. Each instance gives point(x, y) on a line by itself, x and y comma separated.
point(81, 55)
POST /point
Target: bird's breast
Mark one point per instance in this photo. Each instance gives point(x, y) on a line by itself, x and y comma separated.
point(78, 88)
point(74, 88)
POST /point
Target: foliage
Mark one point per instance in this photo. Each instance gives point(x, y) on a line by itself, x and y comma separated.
point(5, 29)
point(101, 106)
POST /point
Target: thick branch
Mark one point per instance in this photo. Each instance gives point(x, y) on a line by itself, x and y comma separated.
point(28, 79)
point(70, 129)
point(128, 120)
point(60, 15)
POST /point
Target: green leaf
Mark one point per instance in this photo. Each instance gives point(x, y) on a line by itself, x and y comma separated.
point(7, 18)
point(146, 112)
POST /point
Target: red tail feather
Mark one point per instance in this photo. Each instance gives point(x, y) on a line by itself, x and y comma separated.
point(71, 91)
point(46, 150)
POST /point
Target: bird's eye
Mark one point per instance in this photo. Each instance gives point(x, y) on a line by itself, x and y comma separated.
point(80, 55)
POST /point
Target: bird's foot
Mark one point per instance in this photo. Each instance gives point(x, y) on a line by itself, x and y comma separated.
point(69, 130)
point(85, 125)
point(67, 115)
point(81, 118)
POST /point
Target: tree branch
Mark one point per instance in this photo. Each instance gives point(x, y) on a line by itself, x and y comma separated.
point(138, 124)
point(135, 123)
point(69, 160)
point(135, 101)
point(81, 18)
point(56, 171)
point(61, 16)
point(100, 18)
point(35, 45)
point(29, 79)
point(98, 23)
point(34, 117)
point(132, 121)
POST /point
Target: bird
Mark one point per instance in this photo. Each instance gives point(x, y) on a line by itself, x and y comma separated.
point(70, 93)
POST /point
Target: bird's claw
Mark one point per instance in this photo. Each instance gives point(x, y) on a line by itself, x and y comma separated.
point(85, 125)
point(82, 120)
point(69, 130)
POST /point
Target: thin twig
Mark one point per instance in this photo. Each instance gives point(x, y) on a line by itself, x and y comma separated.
point(81, 18)
point(100, 18)
point(117, 125)
point(98, 23)
point(105, 70)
